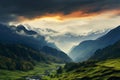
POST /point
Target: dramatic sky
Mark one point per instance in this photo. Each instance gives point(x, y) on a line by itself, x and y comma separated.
point(63, 21)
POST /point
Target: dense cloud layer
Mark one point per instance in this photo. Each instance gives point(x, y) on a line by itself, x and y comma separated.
point(12, 9)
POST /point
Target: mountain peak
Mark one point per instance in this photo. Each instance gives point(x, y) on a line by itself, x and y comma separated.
point(22, 28)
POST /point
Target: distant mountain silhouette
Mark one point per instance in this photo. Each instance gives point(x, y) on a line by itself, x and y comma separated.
point(86, 48)
point(109, 52)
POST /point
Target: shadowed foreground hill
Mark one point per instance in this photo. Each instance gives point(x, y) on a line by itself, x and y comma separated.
point(56, 53)
point(20, 57)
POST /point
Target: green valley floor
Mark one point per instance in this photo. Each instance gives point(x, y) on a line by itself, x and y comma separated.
point(41, 69)
point(90, 70)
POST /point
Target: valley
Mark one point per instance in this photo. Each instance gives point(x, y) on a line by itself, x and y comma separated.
point(41, 70)
point(59, 39)
point(91, 70)
point(26, 59)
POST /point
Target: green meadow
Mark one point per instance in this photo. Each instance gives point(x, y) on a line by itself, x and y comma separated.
point(39, 69)
point(103, 70)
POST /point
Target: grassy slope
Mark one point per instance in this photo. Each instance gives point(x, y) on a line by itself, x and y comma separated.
point(101, 71)
point(39, 69)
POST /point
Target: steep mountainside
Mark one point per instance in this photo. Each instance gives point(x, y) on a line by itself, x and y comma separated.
point(109, 52)
point(56, 53)
point(20, 57)
point(86, 49)
point(20, 48)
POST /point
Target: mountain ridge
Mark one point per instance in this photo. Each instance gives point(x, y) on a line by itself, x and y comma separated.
point(109, 52)
point(87, 48)
point(24, 46)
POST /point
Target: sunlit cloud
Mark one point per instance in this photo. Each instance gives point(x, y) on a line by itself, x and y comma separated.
point(77, 27)
point(58, 19)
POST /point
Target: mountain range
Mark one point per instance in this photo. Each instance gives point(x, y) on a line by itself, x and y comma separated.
point(27, 37)
point(86, 49)
point(65, 41)
point(21, 48)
